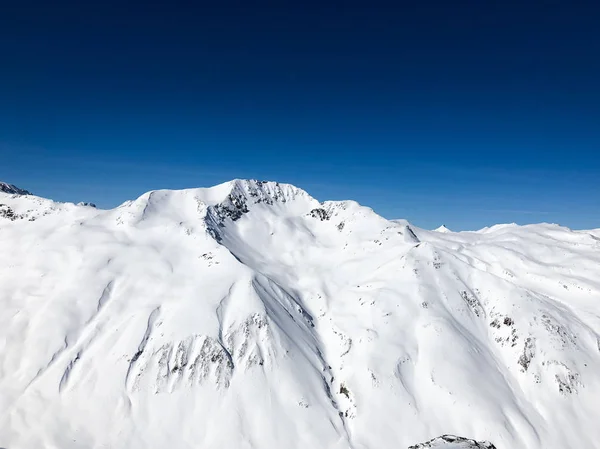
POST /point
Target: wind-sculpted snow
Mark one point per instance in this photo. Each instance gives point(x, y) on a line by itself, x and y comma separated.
point(252, 315)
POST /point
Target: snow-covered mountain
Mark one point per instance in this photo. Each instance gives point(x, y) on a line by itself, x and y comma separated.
point(11, 189)
point(250, 315)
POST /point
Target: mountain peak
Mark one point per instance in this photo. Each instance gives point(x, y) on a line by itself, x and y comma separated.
point(12, 189)
point(265, 190)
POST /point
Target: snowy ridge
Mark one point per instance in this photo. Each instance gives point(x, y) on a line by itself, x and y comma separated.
point(11, 189)
point(250, 314)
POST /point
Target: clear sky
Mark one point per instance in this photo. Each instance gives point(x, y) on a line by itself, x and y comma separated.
point(464, 113)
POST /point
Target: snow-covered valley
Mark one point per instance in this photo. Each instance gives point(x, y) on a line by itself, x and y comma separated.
point(250, 315)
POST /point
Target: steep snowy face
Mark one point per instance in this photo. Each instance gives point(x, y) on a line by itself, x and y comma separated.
point(250, 314)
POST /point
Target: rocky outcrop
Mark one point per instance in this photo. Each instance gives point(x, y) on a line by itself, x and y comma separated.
point(12, 189)
point(320, 213)
point(454, 442)
point(244, 194)
point(7, 212)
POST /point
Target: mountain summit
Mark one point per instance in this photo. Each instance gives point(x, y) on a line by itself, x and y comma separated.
point(11, 189)
point(250, 314)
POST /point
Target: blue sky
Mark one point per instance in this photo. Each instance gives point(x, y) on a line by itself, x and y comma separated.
point(467, 116)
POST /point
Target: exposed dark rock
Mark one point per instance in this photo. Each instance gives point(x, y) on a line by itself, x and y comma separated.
point(454, 442)
point(234, 207)
point(7, 212)
point(320, 213)
point(344, 391)
point(411, 234)
point(13, 190)
point(473, 303)
point(243, 195)
point(558, 332)
point(528, 353)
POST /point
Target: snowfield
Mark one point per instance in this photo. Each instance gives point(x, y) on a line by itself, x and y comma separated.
point(250, 315)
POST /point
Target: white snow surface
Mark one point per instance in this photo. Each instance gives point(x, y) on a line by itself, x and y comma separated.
point(249, 315)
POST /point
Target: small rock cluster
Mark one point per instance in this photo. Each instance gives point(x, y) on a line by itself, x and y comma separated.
point(320, 213)
point(453, 441)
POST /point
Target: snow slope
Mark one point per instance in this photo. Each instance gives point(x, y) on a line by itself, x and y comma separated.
point(249, 315)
